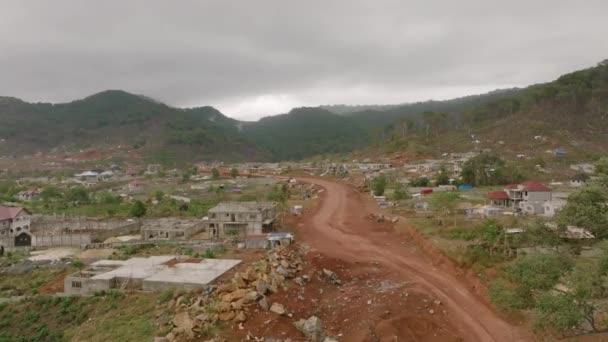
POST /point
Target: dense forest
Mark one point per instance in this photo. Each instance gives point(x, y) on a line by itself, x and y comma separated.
point(576, 104)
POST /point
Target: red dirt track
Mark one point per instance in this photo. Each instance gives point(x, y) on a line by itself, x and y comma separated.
point(340, 229)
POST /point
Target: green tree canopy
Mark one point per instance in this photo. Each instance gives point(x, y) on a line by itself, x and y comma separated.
point(379, 185)
point(138, 209)
point(587, 208)
point(50, 193)
point(77, 195)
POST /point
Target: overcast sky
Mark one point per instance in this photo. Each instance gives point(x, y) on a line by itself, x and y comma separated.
point(257, 58)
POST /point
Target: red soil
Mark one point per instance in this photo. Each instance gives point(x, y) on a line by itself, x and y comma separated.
point(393, 288)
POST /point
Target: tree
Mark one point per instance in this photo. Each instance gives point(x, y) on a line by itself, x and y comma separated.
point(379, 185)
point(527, 277)
point(280, 194)
point(50, 193)
point(159, 195)
point(444, 202)
point(601, 166)
point(234, 172)
point(138, 209)
point(77, 195)
point(487, 169)
point(215, 173)
point(587, 208)
point(108, 198)
point(186, 177)
point(419, 182)
point(442, 177)
point(400, 192)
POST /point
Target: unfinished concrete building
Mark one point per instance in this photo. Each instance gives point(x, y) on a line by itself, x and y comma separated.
point(241, 218)
point(155, 273)
point(171, 229)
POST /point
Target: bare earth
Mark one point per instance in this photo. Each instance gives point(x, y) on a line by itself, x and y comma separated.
point(340, 230)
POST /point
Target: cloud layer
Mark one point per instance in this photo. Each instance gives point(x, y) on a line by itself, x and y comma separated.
point(257, 58)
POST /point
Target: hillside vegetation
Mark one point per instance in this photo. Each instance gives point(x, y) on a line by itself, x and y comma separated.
point(571, 111)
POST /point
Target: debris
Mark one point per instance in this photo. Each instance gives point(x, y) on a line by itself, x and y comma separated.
point(331, 276)
point(312, 328)
point(277, 308)
point(183, 324)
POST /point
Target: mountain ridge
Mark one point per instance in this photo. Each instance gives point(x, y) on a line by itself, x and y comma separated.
point(575, 102)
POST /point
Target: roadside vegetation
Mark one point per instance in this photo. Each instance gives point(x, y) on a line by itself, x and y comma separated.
point(530, 265)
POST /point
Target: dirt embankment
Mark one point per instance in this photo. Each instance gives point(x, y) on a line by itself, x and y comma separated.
point(339, 229)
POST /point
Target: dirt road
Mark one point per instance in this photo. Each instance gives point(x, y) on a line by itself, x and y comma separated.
point(339, 229)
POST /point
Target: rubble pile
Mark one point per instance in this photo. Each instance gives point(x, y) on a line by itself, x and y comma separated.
point(247, 291)
point(382, 218)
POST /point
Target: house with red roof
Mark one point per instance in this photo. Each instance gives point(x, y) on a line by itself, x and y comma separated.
point(136, 185)
point(529, 197)
point(15, 226)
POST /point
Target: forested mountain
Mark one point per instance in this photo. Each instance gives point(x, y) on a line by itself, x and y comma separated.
point(114, 117)
point(306, 131)
point(575, 106)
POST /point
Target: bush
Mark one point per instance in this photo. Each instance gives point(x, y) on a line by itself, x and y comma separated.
point(138, 209)
point(379, 185)
point(165, 296)
point(210, 254)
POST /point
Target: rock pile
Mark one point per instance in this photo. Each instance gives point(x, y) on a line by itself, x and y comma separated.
point(232, 301)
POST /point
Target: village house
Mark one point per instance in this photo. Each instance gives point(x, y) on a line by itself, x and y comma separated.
point(241, 218)
point(15, 225)
point(528, 197)
point(579, 180)
point(136, 185)
point(583, 167)
point(28, 195)
point(153, 169)
point(88, 176)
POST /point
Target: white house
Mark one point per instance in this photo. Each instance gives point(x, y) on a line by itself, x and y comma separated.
point(529, 197)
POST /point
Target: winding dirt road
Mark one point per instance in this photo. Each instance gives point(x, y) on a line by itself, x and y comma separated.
point(339, 229)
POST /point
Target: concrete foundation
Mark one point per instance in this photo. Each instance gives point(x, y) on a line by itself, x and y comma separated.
point(156, 273)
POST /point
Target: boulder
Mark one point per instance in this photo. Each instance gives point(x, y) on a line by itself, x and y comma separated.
point(251, 296)
point(183, 324)
point(240, 316)
point(263, 304)
point(224, 288)
point(300, 281)
point(282, 271)
point(278, 309)
point(236, 295)
point(312, 328)
point(331, 276)
point(227, 316)
point(262, 286)
point(224, 307)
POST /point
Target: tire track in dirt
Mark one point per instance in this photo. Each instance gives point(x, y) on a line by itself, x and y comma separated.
point(339, 229)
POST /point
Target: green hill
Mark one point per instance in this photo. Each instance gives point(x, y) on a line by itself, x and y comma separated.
point(572, 110)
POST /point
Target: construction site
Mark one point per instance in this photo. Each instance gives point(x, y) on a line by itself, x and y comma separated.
point(154, 273)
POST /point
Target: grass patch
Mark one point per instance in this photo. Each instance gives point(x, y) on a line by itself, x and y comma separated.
point(28, 283)
point(107, 316)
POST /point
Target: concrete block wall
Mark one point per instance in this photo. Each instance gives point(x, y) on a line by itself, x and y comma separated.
point(60, 240)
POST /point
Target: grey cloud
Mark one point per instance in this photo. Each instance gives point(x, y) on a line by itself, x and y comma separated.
point(223, 52)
